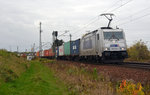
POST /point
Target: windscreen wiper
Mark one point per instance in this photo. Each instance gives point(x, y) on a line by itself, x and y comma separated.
point(113, 37)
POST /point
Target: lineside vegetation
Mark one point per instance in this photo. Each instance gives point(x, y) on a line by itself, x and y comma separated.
point(81, 80)
point(139, 52)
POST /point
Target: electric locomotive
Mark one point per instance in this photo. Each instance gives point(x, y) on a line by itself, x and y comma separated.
point(104, 44)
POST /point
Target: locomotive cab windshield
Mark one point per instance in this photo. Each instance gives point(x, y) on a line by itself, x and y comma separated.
point(114, 40)
point(113, 35)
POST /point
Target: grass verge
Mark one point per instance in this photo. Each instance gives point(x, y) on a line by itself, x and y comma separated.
point(37, 80)
point(11, 66)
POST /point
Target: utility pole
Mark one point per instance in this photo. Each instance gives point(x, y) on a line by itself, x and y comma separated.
point(17, 49)
point(33, 47)
point(40, 42)
point(25, 50)
point(55, 41)
point(70, 37)
point(70, 42)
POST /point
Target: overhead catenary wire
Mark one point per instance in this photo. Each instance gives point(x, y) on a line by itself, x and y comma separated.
point(129, 17)
point(106, 11)
point(93, 19)
point(78, 34)
point(121, 6)
point(66, 31)
point(43, 45)
point(134, 19)
point(85, 26)
point(112, 5)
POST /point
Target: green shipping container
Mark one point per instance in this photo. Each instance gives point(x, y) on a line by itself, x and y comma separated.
point(67, 48)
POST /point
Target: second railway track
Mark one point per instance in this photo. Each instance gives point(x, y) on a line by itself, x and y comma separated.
point(136, 65)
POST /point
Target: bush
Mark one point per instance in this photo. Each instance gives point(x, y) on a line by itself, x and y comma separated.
point(138, 51)
point(95, 74)
point(129, 88)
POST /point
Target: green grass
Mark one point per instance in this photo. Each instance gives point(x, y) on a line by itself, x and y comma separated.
point(37, 80)
point(11, 66)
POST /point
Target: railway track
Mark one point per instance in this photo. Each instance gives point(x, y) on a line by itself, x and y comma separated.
point(145, 66)
point(136, 65)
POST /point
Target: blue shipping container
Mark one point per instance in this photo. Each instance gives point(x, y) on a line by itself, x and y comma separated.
point(75, 47)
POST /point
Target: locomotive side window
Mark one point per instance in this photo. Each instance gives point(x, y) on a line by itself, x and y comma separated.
point(87, 44)
point(97, 36)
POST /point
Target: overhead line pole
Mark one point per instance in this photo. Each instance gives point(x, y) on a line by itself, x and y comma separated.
point(40, 42)
point(17, 49)
point(70, 37)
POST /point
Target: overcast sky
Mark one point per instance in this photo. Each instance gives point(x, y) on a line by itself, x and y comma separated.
point(19, 20)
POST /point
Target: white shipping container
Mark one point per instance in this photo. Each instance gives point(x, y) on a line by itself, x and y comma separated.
point(61, 50)
point(42, 53)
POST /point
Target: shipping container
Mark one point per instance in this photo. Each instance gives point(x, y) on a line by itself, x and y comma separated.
point(46, 53)
point(61, 50)
point(42, 53)
point(37, 54)
point(75, 47)
point(51, 53)
point(23, 55)
point(67, 48)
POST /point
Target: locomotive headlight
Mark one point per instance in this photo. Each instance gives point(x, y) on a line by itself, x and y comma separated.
point(106, 49)
point(122, 48)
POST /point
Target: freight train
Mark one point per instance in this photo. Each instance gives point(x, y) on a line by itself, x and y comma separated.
point(102, 45)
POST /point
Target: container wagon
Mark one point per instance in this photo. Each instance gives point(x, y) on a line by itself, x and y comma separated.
point(46, 53)
point(37, 54)
point(67, 48)
point(75, 49)
point(61, 52)
point(51, 53)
